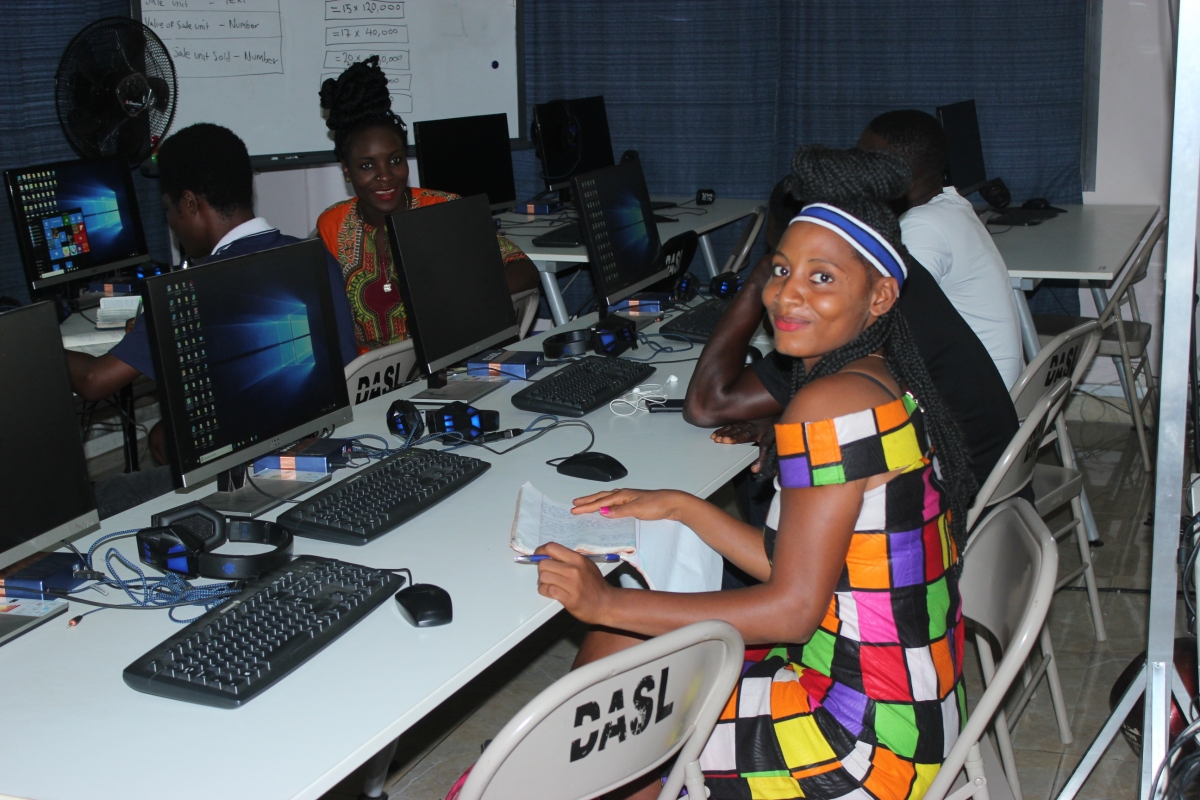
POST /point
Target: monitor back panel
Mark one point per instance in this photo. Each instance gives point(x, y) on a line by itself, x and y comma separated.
point(619, 230)
point(573, 137)
point(75, 219)
point(466, 156)
point(964, 149)
point(43, 472)
point(452, 280)
point(246, 353)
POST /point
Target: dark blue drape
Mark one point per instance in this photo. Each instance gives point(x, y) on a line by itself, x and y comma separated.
point(32, 41)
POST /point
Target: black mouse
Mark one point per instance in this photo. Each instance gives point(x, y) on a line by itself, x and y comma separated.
point(1036, 203)
point(593, 466)
point(425, 605)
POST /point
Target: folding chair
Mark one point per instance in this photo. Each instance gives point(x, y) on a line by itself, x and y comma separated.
point(1122, 340)
point(616, 719)
point(379, 371)
point(741, 251)
point(1009, 570)
point(1068, 354)
point(526, 305)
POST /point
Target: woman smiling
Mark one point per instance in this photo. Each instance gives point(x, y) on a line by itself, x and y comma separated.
point(856, 683)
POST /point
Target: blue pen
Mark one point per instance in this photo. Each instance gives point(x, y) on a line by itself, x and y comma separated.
point(603, 558)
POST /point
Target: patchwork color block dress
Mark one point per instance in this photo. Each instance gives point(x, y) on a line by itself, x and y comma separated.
point(370, 275)
point(869, 707)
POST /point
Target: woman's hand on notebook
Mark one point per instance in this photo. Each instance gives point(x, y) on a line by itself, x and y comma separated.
point(637, 503)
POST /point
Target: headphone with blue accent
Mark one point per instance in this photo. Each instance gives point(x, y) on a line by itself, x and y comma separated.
point(458, 417)
point(183, 539)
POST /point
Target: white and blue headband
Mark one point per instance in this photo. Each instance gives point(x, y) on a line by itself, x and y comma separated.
point(877, 250)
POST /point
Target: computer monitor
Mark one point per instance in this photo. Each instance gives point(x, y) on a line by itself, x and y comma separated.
point(571, 138)
point(451, 277)
point(43, 471)
point(467, 155)
point(619, 231)
point(964, 150)
point(75, 219)
point(246, 355)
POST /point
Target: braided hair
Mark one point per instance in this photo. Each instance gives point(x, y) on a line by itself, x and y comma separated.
point(861, 183)
point(356, 100)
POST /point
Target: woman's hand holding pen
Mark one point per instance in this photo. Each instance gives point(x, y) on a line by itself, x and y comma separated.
point(575, 581)
point(637, 503)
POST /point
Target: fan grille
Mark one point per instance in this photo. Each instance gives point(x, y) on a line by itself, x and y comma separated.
point(115, 90)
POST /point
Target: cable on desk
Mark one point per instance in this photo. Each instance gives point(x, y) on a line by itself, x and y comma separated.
point(657, 349)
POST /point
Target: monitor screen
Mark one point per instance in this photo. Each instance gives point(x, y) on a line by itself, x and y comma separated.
point(43, 472)
point(964, 150)
point(572, 137)
point(452, 280)
point(247, 358)
point(467, 155)
point(619, 230)
point(75, 219)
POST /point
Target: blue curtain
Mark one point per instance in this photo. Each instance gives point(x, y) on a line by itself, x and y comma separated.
point(31, 43)
point(720, 94)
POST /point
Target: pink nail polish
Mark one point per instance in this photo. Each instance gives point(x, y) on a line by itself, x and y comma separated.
point(603, 509)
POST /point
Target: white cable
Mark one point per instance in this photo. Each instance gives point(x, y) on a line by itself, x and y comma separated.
point(635, 399)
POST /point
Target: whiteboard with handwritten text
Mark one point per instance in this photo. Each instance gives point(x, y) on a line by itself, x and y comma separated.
point(256, 66)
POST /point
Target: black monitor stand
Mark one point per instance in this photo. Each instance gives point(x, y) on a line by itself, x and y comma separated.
point(237, 496)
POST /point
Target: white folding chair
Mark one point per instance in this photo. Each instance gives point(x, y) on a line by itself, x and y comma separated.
point(1009, 570)
point(379, 371)
point(1122, 340)
point(616, 719)
point(526, 305)
point(1069, 354)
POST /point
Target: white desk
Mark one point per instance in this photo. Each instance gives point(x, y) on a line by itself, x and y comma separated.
point(1088, 243)
point(75, 729)
point(552, 260)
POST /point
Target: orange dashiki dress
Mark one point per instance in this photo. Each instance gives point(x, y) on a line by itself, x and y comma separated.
point(370, 274)
point(869, 707)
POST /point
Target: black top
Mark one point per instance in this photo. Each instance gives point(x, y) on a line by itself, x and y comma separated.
point(959, 364)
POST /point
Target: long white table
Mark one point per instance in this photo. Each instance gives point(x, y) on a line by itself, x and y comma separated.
point(1088, 243)
point(522, 229)
point(75, 730)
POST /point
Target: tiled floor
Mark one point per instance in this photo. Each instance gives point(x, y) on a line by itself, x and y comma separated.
point(432, 755)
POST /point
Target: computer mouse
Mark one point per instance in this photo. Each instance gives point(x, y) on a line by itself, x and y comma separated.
point(1036, 203)
point(593, 466)
point(425, 605)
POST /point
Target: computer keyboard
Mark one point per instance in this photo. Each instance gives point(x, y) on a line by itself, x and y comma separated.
point(697, 324)
point(380, 497)
point(582, 386)
point(248, 643)
point(569, 235)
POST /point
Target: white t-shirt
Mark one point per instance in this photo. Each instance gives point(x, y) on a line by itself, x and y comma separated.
point(948, 239)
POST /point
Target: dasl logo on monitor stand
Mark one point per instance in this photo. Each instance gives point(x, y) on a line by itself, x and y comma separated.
point(614, 728)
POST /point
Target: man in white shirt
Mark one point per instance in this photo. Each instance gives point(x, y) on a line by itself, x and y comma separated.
point(941, 231)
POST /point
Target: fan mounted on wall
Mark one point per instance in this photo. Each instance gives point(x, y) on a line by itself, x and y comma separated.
point(115, 90)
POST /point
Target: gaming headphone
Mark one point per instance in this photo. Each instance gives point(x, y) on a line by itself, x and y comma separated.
point(404, 420)
point(566, 345)
point(183, 539)
point(610, 336)
point(458, 417)
point(725, 285)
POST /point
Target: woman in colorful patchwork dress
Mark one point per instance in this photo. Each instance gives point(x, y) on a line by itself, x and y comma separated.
point(371, 142)
point(855, 634)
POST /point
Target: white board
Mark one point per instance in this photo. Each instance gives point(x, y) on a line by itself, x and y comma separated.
point(256, 66)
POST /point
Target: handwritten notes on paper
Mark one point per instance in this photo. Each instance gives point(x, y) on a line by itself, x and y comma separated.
point(540, 520)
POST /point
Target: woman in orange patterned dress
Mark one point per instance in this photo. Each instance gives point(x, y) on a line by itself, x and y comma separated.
point(371, 142)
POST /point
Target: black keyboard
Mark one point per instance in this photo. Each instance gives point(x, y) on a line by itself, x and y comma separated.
point(697, 324)
point(582, 386)
point(274, 625)
point(569, 235)
point(377, 499)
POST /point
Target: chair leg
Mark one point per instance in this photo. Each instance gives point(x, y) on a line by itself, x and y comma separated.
point(1066, 453)
point(693, 779)
point(1056, 692)
point(974, 768)
point(1000, 722)
point(1089, 573)
point(1129, 384)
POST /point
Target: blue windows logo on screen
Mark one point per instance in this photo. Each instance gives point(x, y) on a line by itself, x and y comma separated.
point(101, 210)
point(295, 340)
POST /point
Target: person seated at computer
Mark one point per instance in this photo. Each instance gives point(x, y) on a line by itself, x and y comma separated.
point(855, 633)
point(746, 400)
point(941, 231)
point(371, 142)
point(207, 189)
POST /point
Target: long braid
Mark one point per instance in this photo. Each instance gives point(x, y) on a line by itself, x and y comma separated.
point(861, 183)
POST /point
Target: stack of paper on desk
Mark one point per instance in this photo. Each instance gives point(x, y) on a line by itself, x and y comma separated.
point(670, 556)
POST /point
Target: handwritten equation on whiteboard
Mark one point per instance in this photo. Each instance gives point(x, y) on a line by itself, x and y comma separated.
point(218, 38)
point(370, 28)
